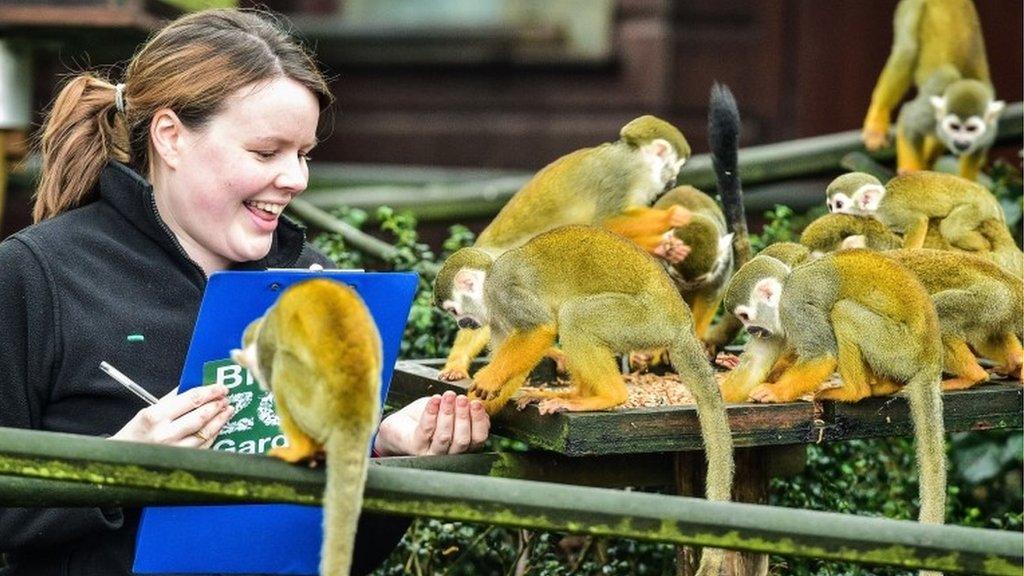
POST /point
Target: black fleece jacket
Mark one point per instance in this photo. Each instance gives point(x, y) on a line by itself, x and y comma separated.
point(72, 290)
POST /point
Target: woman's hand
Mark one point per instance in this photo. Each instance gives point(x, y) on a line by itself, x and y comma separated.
point(438, 424)
point(191, 419)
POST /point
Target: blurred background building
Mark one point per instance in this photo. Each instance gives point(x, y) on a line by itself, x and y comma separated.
point(513, 84)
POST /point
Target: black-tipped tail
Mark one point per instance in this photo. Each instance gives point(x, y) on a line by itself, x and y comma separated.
point(724, 136)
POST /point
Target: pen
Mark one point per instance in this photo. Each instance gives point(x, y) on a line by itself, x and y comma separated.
point(128, 383)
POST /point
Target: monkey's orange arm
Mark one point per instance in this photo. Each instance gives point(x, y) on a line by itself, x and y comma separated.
point(641, 224)
point(468, 344)
point(512, 362)
point(896, 77)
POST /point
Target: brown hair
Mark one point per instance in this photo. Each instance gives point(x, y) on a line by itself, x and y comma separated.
point(190, 67)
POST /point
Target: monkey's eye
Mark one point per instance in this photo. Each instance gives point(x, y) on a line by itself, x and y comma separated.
point(970, 128)
point(955, 126)
point(743, 316)
point(839, 204)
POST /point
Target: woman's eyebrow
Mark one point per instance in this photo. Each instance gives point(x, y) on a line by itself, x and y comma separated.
point(277, 140)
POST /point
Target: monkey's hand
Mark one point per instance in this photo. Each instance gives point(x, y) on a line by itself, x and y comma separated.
point(678, 216)
point(875, 136)
point(672, 249)
point(451, 374)
point(486, 386)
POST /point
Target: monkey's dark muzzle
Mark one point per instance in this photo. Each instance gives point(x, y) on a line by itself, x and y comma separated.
point(468, 323)
point(759, 332)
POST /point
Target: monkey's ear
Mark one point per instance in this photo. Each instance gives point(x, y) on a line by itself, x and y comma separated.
point(769, 290)
point(868, 197)
point(939, 105)
point(659, 147)
point(995, 107)
point(471, 281)
point(242, 357)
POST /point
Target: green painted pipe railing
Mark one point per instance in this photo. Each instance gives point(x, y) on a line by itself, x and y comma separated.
point(443, 194)
point(48, 469)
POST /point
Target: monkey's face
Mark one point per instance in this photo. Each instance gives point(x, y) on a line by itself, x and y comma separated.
point(965, 132)
point(760, 315)
point(663, 162)
point(467, 299)
point(961, 136)
point(863, 201)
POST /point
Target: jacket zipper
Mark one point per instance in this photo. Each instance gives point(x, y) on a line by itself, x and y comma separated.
point(174, 240)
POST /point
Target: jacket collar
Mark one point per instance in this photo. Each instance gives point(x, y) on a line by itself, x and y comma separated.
point(132, 196)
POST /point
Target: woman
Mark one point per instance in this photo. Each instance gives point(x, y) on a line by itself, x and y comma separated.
point(148, 187)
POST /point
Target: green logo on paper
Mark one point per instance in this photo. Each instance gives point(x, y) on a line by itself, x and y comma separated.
point(254, 428)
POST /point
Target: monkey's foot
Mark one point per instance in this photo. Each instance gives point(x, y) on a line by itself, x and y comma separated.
point(530, 395)
point(1010, 370)
point(840, 394)
point(672, 249)
point(960, 383)
point(771, 394)
point(296, 454)
point(575, 404)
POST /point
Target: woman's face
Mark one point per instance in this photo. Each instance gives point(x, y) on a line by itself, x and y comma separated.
point(231, 179)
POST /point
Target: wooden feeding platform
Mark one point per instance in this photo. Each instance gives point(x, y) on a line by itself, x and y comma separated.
point(660, 445)
point(676, 428)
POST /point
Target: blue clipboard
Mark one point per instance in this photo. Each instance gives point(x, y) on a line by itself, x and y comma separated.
point(264, 538)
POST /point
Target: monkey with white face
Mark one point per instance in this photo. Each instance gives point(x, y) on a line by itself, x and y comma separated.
point(961, 115)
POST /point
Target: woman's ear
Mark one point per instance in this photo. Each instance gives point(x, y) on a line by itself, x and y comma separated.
point(166, 135)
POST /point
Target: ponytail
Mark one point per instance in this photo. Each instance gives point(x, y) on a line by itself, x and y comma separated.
point(83, 130)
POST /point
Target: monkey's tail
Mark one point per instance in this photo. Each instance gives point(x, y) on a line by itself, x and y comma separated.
point(690, 363)
point(347, 462)
point(724, 137)
point(925, 398)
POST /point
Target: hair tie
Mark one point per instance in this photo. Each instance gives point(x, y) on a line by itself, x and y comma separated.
point(119, 97)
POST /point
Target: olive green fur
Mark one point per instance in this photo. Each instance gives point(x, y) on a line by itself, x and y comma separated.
point(827, 233)
point(647, 128)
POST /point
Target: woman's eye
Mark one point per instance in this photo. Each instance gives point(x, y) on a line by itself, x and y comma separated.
point(305, 156)
point(265, 154)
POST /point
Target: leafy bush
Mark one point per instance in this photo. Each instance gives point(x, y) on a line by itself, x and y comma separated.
point(873, 477)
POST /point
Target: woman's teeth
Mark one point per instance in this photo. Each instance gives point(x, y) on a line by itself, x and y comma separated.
point(266, 206)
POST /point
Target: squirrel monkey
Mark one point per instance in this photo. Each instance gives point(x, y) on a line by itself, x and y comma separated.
point(907, 202)
point(866, 315)
point(763, 358)
point(979, 305)
point(928, 36)
point(318, 351)
point(960, 114)
point(598, 294)
point(611, 185)
point(833, 232)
